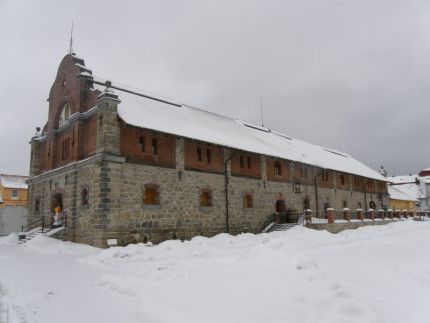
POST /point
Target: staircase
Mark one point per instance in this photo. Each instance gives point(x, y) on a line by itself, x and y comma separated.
point(27, 236)
point(282, 227)
point(271, 224)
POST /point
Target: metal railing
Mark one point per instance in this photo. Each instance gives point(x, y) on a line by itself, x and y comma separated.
point(376, 214)
point(46, 223)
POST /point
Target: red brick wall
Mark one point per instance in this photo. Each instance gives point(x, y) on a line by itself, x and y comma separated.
point(304, 174)
point(381, 187)
point(131, 146)
point(68, 88)
point(339, 184)
point(214, 165)
point(60, 139)
point(357, 183)
point(77, 92)
point(285, 170)
point(326, 179)
point(245, 164)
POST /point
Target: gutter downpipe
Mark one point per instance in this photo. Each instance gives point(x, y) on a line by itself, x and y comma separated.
point(226, 192)
point(365, 195)
point(316, 191)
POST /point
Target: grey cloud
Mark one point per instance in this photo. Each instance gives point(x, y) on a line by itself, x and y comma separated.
point(352, 75)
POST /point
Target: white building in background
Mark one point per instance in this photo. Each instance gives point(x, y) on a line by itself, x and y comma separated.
point(416, 186)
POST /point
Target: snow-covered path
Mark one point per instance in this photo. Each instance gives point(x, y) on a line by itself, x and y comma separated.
point(373, 274)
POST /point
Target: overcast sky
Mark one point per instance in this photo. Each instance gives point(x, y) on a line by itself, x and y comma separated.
point(351, 75)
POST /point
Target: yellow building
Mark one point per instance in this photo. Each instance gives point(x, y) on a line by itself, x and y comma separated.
point(400, 199)
point(13, 190)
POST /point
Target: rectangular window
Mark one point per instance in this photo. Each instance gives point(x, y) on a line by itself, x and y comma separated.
point(142, 144)
point(14, 194)
point(249, 162)
point(241, 161)
point(199, 154)
point(65, 149)
point(154, 146)
point(208, 156)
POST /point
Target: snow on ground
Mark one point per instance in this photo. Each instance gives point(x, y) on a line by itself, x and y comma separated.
point(372, 274)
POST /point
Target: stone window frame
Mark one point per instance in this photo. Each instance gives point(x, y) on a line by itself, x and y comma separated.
point(248, 205)
point(157, 201)
point(85, 195)
point(205, 198)
point(37, 204)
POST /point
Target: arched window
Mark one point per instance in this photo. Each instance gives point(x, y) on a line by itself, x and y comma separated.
point(205, 197)
point(247, 201)
point(278, 168)
point(64, 115)
point(151, 195)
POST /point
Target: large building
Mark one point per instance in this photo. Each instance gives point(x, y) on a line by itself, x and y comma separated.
point(127, 166)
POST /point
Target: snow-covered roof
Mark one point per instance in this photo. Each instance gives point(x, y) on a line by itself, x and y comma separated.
point(13, 181)
point(403, 179)
point(397, 192)
point(190, 122)
point(425, 179)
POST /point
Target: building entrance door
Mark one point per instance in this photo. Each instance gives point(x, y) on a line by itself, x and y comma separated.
point(281, 211)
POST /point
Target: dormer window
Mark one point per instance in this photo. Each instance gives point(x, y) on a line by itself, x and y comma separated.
point(64, 115)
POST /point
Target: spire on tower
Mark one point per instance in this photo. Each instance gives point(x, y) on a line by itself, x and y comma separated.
point(71, 41)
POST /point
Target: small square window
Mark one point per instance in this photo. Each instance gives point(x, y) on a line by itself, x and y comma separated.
point(14, 194)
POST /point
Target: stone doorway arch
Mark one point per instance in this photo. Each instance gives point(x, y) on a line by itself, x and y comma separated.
point(57, 199)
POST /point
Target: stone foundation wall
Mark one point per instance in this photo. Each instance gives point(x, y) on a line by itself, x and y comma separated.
point(340, 226)
point(116, 208)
